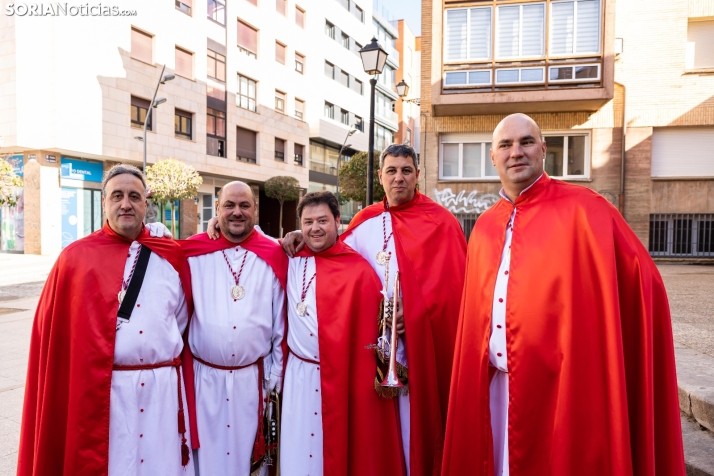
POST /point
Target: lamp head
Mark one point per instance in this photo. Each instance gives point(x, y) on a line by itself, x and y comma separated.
point(373, 57)
point(402, 89)
point(167, 77)
point(159, 101)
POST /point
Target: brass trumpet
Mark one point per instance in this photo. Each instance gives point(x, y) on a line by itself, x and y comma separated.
point(391, 379)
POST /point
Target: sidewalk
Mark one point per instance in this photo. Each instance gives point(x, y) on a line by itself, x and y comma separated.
point(20, 268)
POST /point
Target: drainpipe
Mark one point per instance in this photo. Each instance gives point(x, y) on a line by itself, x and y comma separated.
point(623, 152)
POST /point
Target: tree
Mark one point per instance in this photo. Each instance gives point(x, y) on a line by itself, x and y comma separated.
point(8, 182)
point(283, 189)
point(171, 180)
point(353, 180)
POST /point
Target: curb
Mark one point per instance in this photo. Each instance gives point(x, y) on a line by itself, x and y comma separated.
point(698, 448)
point(695, 382)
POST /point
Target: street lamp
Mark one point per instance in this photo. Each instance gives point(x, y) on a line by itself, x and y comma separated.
point(373, 59)
point(154, 103)
point(402, 89)
point(345, 145)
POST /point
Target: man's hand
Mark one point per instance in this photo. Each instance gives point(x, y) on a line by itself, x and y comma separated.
point(293, 242)
point(400, 318)
point(158, 230)
point(213, 230)
point(272, 384)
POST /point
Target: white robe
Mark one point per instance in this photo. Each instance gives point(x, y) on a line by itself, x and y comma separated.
point(368, 240)
point(232, 333)
point(301, 425)
point(143, 411)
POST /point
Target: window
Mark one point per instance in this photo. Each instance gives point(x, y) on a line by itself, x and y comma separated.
point(280, 101)
point(356, 86)
point(520, 75)
point(329, 110)
point(299, 109)
point(299, 63)
point(246, 141)
point(468, 34)
point(345, 41)
point(281, 7)
point(700, 38)
point(358, 13)
point(330, 29)
point(182, 124)
point(466, 160)
point(184, 63)
point(359, 124)
point(566, 155)
point(215, 132)
point(280, 52)
point(520, 30)
point(680, 235)
point(329, 70)
point(139, 109)
point(246, 93)
point(344, 117)
point(216, 90)
point(574, 27)
point(344, 3)
point(216, 66)
point(323, 158)
point(184, 6)
point(142, 46)
point(217, 11)
point(383, 137)
point(573, 74)
point(299, 17)
point(299, 151)
point(247, 39)
point(280, 149)
point(344, 79)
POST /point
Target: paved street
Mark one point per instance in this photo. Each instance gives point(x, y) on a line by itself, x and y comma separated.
point(689, 288)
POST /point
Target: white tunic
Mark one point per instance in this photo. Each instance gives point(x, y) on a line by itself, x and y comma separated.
point(301, 432)
point(498, 355)
point(232, 333)
point(143, 420)
point(368, 240)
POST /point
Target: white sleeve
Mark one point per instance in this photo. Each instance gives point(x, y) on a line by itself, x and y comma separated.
point(182, 311)
point(351, 241)
point(278, 328)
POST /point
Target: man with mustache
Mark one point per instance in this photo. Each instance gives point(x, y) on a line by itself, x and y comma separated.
point(236, 334)
point(105, 391)
point(564, 360)
point(333, 421)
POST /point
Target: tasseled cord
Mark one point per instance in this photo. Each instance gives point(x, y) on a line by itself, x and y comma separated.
point(185, 453)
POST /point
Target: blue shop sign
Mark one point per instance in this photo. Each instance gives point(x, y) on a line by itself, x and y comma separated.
point(80, 170)
point(17, 163)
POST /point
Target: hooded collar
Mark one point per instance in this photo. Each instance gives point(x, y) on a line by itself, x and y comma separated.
point(530, 192)
point(403, 206)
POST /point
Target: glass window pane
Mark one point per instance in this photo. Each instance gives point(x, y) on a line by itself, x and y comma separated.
point(532, 74)
point(471, 166)
point(450, 160)
point(508, 26)
point(97, 223)
point(479, 77)
point(557, 74)
point(455, 41)
point(586, 72)
point(576, 155)
point(86, 213)
point(554, 156)
point(455, 78)
point(480, 33)
point(507, 76)
point(490, 168)
point(562, 28)
point(588, 24)
point(533, 30)
point(251, 89)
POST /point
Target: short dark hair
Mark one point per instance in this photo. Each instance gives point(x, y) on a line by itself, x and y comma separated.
point(119, 169)
point(316, 198)
point(399, 150)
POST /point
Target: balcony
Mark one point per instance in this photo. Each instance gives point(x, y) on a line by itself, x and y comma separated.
point(387, 115)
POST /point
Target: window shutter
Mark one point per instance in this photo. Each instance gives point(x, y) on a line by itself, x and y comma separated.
point(700, 38)
point(246, 143)
point(279, 53)
point(588, 27)
point(141, 46)
point(562, 27)
point(533, 30)
point(480, 33)
point(279, 145)
point(455, 42)
point(184, 63)
point(188, 3)
point(135, 101)
point(247, 37)
point(508, 27)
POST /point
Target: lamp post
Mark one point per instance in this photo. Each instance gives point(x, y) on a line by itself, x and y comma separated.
point(154, 103)
point(373, 59)
point(345, 145)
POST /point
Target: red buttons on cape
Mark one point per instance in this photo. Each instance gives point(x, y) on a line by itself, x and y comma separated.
point(141, 436)
point(229, 426)
point(505, 272)
point(142, 384)
point(234, 327)
point(500, 299)
point(142, 410)
point(138, 305)
point(141, 332)
point(498, 325)
point(499, 354)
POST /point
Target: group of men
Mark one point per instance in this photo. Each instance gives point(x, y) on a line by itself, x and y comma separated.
point(556, 359)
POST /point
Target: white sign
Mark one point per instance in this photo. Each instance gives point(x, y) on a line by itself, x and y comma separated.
point(465, 202)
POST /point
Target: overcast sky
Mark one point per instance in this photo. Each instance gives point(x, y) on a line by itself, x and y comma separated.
point(409, 10)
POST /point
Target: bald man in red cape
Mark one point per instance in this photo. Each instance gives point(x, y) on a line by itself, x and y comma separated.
point(564, 358)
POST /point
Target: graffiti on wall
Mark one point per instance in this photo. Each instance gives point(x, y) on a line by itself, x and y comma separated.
point(465, 202)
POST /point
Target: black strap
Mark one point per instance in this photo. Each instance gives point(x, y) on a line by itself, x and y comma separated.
point(132, 294)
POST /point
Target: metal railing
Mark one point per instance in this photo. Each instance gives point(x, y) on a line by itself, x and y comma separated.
point(682, 235)
point(467, 221)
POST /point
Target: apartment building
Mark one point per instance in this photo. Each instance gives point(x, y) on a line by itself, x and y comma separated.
point(409, 71)
point(592, 73)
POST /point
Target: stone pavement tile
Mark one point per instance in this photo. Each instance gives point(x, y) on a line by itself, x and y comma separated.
point(9, 436)
point(695, 379)
point(698, 449)
point(8, 464)
point(29, 303)
point(11, 404)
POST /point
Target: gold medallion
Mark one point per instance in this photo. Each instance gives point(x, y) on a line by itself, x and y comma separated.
point(237, 292)
point(382, 257)
point(121, 295)
point(301, 308)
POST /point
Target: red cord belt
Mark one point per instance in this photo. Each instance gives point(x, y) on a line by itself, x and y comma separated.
point(176, 363)
point(316, 362)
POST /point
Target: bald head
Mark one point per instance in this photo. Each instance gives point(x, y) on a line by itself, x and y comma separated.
point(236, 211)
point(517, 152)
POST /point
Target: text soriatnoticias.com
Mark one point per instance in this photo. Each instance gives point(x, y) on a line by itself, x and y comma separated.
point(64, 9)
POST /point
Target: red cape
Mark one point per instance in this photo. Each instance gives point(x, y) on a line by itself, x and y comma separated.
point(431, 251)
point(360, 430)
point(592, 381)
point(65, 418)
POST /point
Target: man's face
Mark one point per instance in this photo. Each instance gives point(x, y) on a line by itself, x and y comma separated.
point(399, 178)
point(125, 204)
point(319, 227)
point(236, 212)
point(517, 152)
